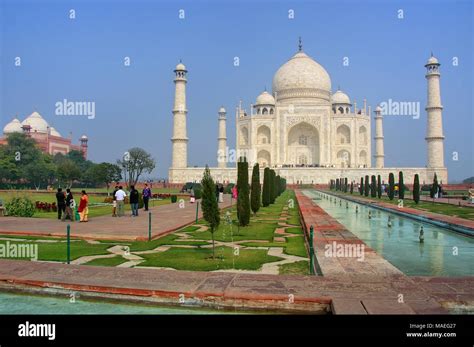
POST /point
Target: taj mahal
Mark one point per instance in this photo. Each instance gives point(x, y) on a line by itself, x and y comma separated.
point(307, 133)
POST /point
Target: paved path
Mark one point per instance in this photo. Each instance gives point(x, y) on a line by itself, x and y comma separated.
point(316, 294)
point(165, 219)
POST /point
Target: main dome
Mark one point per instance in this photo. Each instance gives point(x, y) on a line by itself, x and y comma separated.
point(301, 76)
point(36, 122)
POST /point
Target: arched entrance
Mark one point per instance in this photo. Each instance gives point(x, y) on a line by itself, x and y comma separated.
point(303, 144)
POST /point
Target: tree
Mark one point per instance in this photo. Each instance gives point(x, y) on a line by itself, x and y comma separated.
point(37, 173)
point(401, 186)
point(352, 187)
point(135, 162)
point(361, 189)
point(391, 186)
point(373, 186)
point(243, 202)
point(210, 209)
point(366, 185)
point(434, 187)
point(68, 172)
point(106, 173)
point(416, 189)
point(278, 185)
point(266, 187)
point(272, 186)
point(255, 195)
point(379, 186)
point(345, 185)
point(19, 151)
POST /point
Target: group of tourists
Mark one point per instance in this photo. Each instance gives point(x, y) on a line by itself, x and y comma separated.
point(67, 204)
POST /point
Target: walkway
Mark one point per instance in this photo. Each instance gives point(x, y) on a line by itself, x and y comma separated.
point(164, 219)
point(312, 294)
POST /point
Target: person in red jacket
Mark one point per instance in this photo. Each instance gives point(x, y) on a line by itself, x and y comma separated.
point(83, 208)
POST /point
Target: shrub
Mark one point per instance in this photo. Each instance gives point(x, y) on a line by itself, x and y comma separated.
point(228, 188)
point(198, 192)
point(379, 186)
point(401, 186)
point(243, 199)
point(373, 187)
point(20, 207)
point(174, 198)
point(416, 189)
point(391, 186)
point(366, 186)
point(255, 194)
point(361, 189)
point(266, 187)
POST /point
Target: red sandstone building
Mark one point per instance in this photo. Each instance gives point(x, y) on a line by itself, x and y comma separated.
point(49, 140)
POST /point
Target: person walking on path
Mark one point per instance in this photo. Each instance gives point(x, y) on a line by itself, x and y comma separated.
point(83, 207)
point(234, 192)
point(120, 197)
point(221, 193)
point(114, 202)
point(61, 200)
point(146, 196)
point(70, 205)
point(134, 201)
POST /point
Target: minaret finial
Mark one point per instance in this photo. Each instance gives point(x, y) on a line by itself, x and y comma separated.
point(431, 53)
point(300, 45)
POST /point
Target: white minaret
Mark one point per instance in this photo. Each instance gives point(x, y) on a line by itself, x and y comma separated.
point(222, 140)
point(379, 152)
point(434, 132)
point(180, 139)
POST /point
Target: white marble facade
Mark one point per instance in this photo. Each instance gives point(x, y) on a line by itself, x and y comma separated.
point(309, 134)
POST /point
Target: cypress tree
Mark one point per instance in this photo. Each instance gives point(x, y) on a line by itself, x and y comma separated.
point(379, 186)
point(366, 185)
point(243, 201)
point(210, 209)
point(361, 189)
point(266, 187)
point(352, 187)
point(345, 185)
point(278, 185)
point(391, 186)
point(401, 186)
point(272, 186)
point(373, 187)
point(416, 189)
point(434, 186)
point(255, 195)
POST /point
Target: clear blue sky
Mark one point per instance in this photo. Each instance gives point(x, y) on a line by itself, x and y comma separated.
point(82, 60)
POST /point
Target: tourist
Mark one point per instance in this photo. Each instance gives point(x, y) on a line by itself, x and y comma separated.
point(134, 201)
point(192, 199)
point(114, 202)
point(70, 205)
point(221, 193)
point(146, 196)
point(234, 192)
point(217, 192)
point(61, 200)
point(83, 207)
point(120, 197)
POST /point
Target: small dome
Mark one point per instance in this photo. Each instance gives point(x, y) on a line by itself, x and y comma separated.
point(84, 137)
point(36, 122)
point(180, 67)
point(222, 110)
point(54, 132)
point(13, 127)
point(339, 97)
point(265, 99)
point(378, 109)
point(432, 60)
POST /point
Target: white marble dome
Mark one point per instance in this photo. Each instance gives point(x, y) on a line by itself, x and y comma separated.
point(222, 110)
point(339, 97)
point(432, 60)
point(36, 122)
point(265, 99)
point(13, 127)
point(180, 67)
point(301, 72)
point(54, 132)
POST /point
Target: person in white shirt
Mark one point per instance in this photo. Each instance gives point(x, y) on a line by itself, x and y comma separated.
point(120, 197)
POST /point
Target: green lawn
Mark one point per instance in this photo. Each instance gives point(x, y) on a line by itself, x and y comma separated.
point(297, 268)
point(113, 261)
point(292, 246)
point(201, 259)
point(446, 209)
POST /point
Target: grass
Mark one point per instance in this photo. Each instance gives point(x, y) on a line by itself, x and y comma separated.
point(165, 240)
point(445, 209)
point(57, 251)
point(201, 259)
point(292, 246)
point(113, 261)
point(297, 268)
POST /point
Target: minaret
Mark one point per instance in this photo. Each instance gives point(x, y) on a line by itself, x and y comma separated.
point(222, 140)
point(180, 139)
point(84, 145)
point(379, 152)
point(434, 132)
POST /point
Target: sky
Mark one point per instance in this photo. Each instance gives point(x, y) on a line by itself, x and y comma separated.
point(82, 59)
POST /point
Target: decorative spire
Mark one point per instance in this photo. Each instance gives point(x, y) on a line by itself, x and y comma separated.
point(300, 45)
